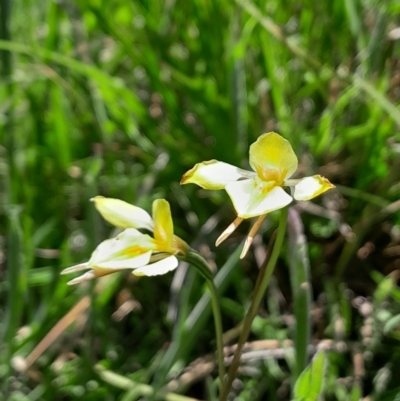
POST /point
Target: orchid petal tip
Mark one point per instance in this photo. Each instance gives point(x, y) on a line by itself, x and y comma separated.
point(229, 230)
point(96, 198)
point(246, 247)
point(90, 275)
point(76, 268)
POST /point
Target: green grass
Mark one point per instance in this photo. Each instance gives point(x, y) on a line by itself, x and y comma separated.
point(120, 98)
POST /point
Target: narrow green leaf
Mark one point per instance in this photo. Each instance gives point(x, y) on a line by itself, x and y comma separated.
point(16, 277)
point(310, 384)
point(301, 288)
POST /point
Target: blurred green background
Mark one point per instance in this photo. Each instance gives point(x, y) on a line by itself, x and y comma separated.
point(120, 98)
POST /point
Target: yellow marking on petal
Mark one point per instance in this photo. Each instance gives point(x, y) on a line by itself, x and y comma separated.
point(122, 214)
point(114, 248)
point(231, 228)
point(272, 175)
point(134, 251)
point(252, 233)
point(272, 157)
point(213, 174)
point(163, 225)
point(123, 262)
point(309, 187)
point(265, 186)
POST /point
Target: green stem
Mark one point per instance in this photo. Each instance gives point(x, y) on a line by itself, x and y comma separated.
point(204, 269)
point(218, 331)
point(256, 303)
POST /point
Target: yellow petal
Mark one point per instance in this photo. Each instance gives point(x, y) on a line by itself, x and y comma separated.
point(213, 174)
point(161, 267)
point(272, 157)
point(310, 187)
point(122, 214)
point(251, 198)
point(129, 250)
point(163, 225)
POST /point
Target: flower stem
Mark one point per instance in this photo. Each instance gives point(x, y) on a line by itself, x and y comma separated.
point(204, 269)
point(255, 303)
point(218, 331)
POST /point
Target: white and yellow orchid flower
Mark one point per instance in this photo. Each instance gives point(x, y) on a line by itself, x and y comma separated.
point(131, 249)
point(258, 192)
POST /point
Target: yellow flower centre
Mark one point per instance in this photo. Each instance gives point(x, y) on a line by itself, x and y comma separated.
point(265, 186)
point(178, 246)
point(268, 174)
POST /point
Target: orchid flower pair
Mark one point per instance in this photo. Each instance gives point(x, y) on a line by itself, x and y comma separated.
point(253, 193)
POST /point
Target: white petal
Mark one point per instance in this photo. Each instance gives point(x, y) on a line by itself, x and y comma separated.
point(126, 263)
point(129, 244)
point(161, 267)
point(310, 187)
point(254, 198)
point(122, 214)
point(213, 174)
